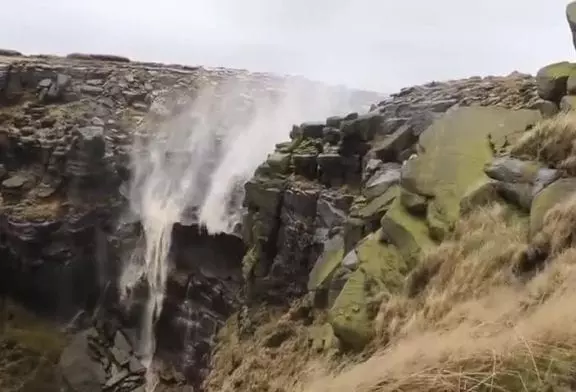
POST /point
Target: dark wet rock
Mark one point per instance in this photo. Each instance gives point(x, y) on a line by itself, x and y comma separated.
point(99, 57)
point(9, 53)
point(331, 167)
point(364, 127)
point(552, 80)
point(305, 165)
point(331, 135)
point(312, 130)
point(332, 209)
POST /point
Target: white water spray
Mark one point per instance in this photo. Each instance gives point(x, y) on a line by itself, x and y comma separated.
point(200, 159)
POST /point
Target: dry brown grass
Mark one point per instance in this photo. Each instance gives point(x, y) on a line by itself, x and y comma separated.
point(552, 141)
point(472, 324)
point(470, 319)
point(270, 359)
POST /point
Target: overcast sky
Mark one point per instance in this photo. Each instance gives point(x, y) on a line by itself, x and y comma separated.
point(376, 44)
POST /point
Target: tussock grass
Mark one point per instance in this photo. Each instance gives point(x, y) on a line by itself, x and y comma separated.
point(551, 141)
point(474, 324)
point(489, 309)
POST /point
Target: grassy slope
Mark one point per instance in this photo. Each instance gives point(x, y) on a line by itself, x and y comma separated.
point(467, 320)
point(29, 352)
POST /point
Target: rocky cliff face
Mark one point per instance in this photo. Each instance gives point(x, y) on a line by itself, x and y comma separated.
point(334, 222)
point(339, 216)
point(66, 134)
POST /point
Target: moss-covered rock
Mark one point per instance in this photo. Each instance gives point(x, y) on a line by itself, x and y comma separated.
point(568, 102)
point(414, 203)
point(264, 194)
point(455, 150)
point(552, 80)
point(482, 193)
point(279, 162)
point(407, 232)
point(372, 212)
point(381, 268)
point(553, 194)
point(327, 263)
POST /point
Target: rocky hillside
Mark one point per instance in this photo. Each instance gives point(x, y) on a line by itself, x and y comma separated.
point(425, 245)
point(429, 237)
point(67, 127)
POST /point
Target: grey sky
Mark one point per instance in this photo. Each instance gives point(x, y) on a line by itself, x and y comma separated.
point(377, 44)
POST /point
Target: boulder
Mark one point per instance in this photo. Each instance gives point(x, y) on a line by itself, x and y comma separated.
point(331, 135)
point(381, 268)
point(331, 211)
point(552, 80)
point(550, 196)
point(372, 211)
point(364, 127)
point(547, 108)
point(312, 130)
point(571, 84)
point(414, 203)
point(387, 176)
point(567, 103)
point(327, 263)
point(483, 193)
point(305, 165)
point(332, 168)
point(455, 151)
point(406, 231)
point(279, 162)
point(80, 372)
point(513, 170)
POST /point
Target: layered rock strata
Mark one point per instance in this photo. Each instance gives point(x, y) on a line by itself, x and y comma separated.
point(66, 133)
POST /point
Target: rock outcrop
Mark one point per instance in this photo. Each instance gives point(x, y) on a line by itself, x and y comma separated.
point(67, 127)
point(336, 180)
point(340, 216)
point(342, 213)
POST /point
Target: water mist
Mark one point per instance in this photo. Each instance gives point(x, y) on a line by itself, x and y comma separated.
point(199, 160)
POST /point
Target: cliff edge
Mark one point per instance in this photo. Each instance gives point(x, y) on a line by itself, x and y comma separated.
point(426, 245)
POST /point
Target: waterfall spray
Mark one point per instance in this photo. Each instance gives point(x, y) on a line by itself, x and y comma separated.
point(199, 159)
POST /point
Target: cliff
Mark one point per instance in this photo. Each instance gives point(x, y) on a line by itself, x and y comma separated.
point(420, 241)
point(426, 245)
point(70, 129)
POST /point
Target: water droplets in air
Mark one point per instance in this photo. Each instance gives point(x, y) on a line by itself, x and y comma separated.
point(194, 165)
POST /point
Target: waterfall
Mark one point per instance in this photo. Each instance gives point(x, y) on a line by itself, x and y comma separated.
point(199, 159)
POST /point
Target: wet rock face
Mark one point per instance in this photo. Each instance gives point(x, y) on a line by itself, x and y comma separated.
point(202, 293)
point(66, 133)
